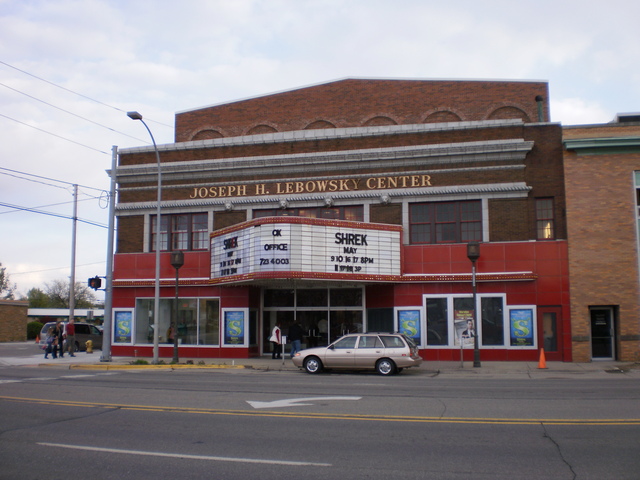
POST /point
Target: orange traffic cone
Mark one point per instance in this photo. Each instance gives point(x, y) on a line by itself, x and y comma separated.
point(542, 363)
point(38, 338)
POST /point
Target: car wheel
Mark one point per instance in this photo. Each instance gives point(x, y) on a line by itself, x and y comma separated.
point(384, 366)
point(313, 365)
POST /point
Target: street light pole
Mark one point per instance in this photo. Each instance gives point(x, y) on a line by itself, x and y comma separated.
point(473, 254)
point(177, 260)
point(108, 300)
point(156, 305)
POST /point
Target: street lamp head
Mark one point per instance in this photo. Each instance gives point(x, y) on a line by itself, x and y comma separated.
point(177, 259)
point(134, 115)
point(473, 251)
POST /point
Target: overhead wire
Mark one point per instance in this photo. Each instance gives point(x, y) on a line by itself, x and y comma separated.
point(51, 214)
point(71, 113)
point(47, 178)
point(55, 135)
point(56, 268)
point(76, 93)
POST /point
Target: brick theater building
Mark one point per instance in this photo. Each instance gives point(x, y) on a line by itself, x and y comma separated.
point(350, 206)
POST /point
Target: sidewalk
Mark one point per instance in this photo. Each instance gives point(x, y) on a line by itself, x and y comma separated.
point(450, 369)
point(93, 361)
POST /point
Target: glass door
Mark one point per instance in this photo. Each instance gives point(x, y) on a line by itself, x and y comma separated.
point(602, 336)
point(324, 314)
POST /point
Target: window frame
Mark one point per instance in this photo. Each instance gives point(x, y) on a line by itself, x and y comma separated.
point(436, 224)
point(176, 235)
point(545, 223)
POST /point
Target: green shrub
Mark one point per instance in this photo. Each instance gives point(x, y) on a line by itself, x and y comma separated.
point(140, 362)
point(33, 330)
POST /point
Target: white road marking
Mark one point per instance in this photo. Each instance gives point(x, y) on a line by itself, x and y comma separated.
point(186, 456)
point(44, 379)
point(296, 402)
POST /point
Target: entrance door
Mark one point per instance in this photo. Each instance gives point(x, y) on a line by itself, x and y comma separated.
point(324, 314)
point(602, 336)
point(550, 332)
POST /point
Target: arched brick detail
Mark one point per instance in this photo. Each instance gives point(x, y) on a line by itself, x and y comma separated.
point(259, 129)
point(319, 124)
point(442, 116)
point(508, 113)
point(207, 134)
point(379, 121)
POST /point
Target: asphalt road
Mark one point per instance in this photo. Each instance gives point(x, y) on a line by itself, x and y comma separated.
point(233, 424)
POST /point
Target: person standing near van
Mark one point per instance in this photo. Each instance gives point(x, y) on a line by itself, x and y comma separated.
point(51, 343)
point(71, 337)
point(59, 339)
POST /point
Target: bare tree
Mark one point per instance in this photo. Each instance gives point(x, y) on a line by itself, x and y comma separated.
point(58, 293)
point(6, 289)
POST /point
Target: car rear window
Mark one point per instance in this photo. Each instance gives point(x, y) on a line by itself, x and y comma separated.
point(83, 329)
point(391, 341)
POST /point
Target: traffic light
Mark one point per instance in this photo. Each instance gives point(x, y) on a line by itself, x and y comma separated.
point(95, 283)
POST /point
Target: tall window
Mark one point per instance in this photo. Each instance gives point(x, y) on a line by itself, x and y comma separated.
point(450, 321)
point(544, 219)
point(181, 232)
point(445, 222)
point(353, 213)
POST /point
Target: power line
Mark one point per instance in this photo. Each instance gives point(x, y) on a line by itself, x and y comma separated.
point(71, 113)
point(78, 94)
point(51, 205)
point(55, 135)
point(53, 269)
point(51, 214)
point(49, 179)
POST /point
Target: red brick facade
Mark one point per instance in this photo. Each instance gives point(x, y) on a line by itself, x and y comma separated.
point(377, 146)
point(404, 102)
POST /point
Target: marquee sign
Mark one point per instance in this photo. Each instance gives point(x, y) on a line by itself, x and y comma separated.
point(296, 247)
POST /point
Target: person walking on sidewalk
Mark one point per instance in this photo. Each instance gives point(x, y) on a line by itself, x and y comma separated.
point(295, 337)
point(71, 337)
point(276, 341)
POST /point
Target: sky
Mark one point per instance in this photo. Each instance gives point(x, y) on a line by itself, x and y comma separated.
point(71, 69)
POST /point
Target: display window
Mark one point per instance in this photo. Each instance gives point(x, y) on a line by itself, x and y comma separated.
point(198, 321)
point(450, 322)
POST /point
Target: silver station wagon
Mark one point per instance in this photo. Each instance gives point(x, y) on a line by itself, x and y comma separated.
point(386, 353)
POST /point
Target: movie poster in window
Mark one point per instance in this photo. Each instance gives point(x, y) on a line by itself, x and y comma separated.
point(463, 325)
point(122, 326)
point(234, 328)
point(409, 324)
point(521, 327)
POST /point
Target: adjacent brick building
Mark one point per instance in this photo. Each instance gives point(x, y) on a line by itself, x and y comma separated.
point(602, 170)
point(13, 320)
point(348, 206)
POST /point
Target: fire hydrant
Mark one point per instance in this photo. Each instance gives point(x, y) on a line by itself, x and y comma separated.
point(89, 346)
